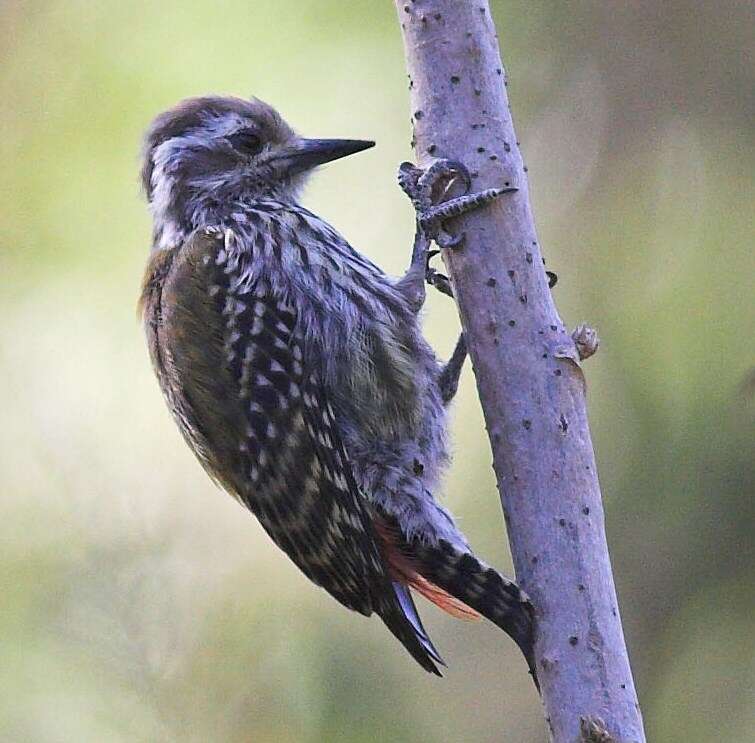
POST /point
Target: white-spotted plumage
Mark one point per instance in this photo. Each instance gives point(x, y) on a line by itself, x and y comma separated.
point(297, 371)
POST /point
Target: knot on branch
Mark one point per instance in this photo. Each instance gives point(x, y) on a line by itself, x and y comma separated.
point(593, 730)
point(586, 340)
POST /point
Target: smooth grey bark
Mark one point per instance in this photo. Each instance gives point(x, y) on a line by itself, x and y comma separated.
point(528, 376)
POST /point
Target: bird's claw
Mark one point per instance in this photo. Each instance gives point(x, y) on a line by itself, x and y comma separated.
point(440, 281)
point(428, 189)
point(435, 278)
point(421, 186)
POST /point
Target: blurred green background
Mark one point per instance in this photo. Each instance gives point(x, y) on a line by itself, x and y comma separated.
point(139, 603)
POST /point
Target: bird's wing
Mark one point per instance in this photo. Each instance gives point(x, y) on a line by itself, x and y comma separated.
point(229, 356)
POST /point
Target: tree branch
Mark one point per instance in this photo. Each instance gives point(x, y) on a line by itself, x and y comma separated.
point(528, 374)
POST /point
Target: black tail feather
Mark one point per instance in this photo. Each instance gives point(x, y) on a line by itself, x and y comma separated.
point(410, 610)
point(401, 618)
point(483, 589)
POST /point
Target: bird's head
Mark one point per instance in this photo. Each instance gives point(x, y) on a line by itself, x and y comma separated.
point(207, 154)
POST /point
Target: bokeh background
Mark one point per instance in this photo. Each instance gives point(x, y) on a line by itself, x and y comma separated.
point(138, 603)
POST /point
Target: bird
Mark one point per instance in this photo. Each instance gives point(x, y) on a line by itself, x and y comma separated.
point(297, 371)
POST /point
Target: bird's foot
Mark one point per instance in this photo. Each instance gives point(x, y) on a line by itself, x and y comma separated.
point(427, 190)
point(435, 278)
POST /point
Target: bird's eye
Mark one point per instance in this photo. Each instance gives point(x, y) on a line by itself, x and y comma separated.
point(245, 141)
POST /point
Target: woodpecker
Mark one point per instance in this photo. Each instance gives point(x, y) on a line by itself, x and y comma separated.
point(297, 371)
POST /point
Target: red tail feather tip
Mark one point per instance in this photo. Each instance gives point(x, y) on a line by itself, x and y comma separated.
point(402, 569)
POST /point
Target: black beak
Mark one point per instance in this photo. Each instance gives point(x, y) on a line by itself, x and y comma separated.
point(308, 153)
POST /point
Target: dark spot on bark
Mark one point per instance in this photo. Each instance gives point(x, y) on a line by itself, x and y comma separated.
point(494, 157)
point(573, 640)
point(431, 149)
point(475, 126)
point(528, 257)
point(613, 610)
point(527, 424)
point(545, 355)
point(563, 423)
point(480, 149)
point(498, 70)
point(562, 522)
point(535, 560)
point(418, 115)
point(474, 174)
point(557, 372)
point(455, 79)
point(511, 274)
point(418, 467)
point(423, 18)
point(491, 281)
point(492, 326)
point(523, 298)
point(512, 323)
point(437, 16)
point(580, 587)
point(623, 686)
point(540, 332)
point(554, 327)
point(477, 91)
point(586, 510)
point(407, 9)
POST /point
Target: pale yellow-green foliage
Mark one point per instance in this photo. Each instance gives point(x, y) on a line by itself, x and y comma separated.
point(139, 603)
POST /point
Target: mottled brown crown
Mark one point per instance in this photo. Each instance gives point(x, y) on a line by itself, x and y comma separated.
point(195, 113)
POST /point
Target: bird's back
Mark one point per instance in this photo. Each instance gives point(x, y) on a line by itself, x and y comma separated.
point(232, 345)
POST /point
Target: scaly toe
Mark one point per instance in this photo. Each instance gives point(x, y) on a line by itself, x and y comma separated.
point(423, 188)
point(440, 170)
point(447, 240)
point(408, 178)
